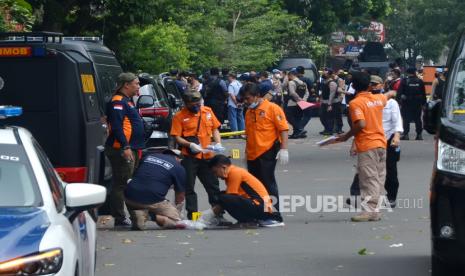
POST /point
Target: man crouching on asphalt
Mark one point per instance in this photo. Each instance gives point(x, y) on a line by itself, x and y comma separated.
point(150, 184)
point(245, 198)
point(366, 113)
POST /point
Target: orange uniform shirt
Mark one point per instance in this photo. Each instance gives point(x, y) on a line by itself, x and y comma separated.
point(185, 124)
point(369, 107)
point(263, 126)
point(234, 185)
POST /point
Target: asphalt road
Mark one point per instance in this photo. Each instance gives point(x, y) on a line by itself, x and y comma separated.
point(311, 243)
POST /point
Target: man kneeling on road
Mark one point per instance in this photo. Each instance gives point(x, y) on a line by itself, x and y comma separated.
point(245, 198)
point(150, 184)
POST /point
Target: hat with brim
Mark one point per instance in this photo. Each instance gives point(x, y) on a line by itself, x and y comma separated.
point(376, 79)
point(192, 96)
point(124, 78)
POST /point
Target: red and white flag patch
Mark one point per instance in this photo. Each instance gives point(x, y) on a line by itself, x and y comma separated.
point(118, 107)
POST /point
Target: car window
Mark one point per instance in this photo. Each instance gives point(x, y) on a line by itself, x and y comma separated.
point(56, 186)
point(17, 182)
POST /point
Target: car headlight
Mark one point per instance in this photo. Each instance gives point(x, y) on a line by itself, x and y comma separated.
point(41, 263)
point(451, 159)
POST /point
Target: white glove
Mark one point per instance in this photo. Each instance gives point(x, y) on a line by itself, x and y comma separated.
point(195, 148)
point(218, 148)
point(283, 156)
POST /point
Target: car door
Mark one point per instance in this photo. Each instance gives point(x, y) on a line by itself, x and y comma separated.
point(83, 226)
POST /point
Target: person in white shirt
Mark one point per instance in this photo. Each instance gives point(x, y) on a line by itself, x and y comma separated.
point(235, 110)
point(393, 128)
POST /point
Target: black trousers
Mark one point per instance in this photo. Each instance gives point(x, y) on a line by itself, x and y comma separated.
point(199, 168)
point(294, 116)
point(337, 113)
point(327, 118)
point(242, 209)
point(411, 112)
point(263, 169)
point(218, 108)
point(391, 183)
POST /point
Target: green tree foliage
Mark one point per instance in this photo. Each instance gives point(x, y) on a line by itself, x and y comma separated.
point(155, 48)
point(15, 15)
point(329, 16)
point(424, 27)
point(241, 34)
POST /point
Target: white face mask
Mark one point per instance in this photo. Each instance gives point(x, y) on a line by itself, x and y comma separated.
point(253, 105)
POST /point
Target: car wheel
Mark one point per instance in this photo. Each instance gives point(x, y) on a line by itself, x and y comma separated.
point(441, 268)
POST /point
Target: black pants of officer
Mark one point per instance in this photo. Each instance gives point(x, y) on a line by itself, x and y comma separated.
point(298, 118)
point(218, 108)
point(294, 116)
point(411, 112)
point(391, 183)
point(122, 171)
point(199, 168)
point(242, 209)
point(327, 118)
point(337, 110)
point(263, 169)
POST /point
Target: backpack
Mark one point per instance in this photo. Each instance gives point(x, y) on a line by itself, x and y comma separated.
point(213, 91)
point(301, 88)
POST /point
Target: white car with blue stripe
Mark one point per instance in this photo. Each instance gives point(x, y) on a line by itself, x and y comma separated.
point(45, 228)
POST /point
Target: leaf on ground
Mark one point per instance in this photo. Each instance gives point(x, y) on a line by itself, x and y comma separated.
point(387, 237)
point(362, 252)
point(127, 241)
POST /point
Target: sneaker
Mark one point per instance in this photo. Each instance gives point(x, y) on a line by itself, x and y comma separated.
point(125, 222)
point(404, 137)
point(392, 203)
point(365, 216)
point(270, 223)
point(419, 137)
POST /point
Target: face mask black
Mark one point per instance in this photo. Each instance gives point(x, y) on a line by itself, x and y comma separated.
point(194, 108)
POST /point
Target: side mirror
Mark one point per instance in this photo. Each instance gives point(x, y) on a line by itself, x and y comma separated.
point(431, 115)
point(80, 197)
point(145, 101)
point(173, 101)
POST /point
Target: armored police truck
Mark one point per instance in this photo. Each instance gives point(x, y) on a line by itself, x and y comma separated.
point(62, 84)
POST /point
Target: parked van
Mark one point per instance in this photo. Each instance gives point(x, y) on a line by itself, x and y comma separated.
point(62, 84)
point(446, 119)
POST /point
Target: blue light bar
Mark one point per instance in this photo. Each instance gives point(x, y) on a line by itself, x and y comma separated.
point(10, 111)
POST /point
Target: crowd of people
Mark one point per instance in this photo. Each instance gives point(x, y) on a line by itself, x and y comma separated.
point(262, 104)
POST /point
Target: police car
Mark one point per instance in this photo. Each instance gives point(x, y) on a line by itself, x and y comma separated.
point(45, 228)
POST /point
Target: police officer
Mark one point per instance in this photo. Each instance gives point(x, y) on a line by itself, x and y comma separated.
point(412, 97)
point(192, 127)
point(125, 140)
point(215, 93)
point(266, 130)
point(150, 184)
point(328, 99)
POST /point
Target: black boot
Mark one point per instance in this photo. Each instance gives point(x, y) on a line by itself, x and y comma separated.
point(419, 137)
point(404, 137)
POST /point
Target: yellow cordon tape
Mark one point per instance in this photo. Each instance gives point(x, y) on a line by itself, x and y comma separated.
point(234, 133)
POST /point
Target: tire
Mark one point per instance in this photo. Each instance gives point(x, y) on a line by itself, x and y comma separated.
point(442, 268)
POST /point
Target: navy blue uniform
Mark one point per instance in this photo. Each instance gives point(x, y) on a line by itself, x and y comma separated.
point(152, 180)
point(126, 125)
